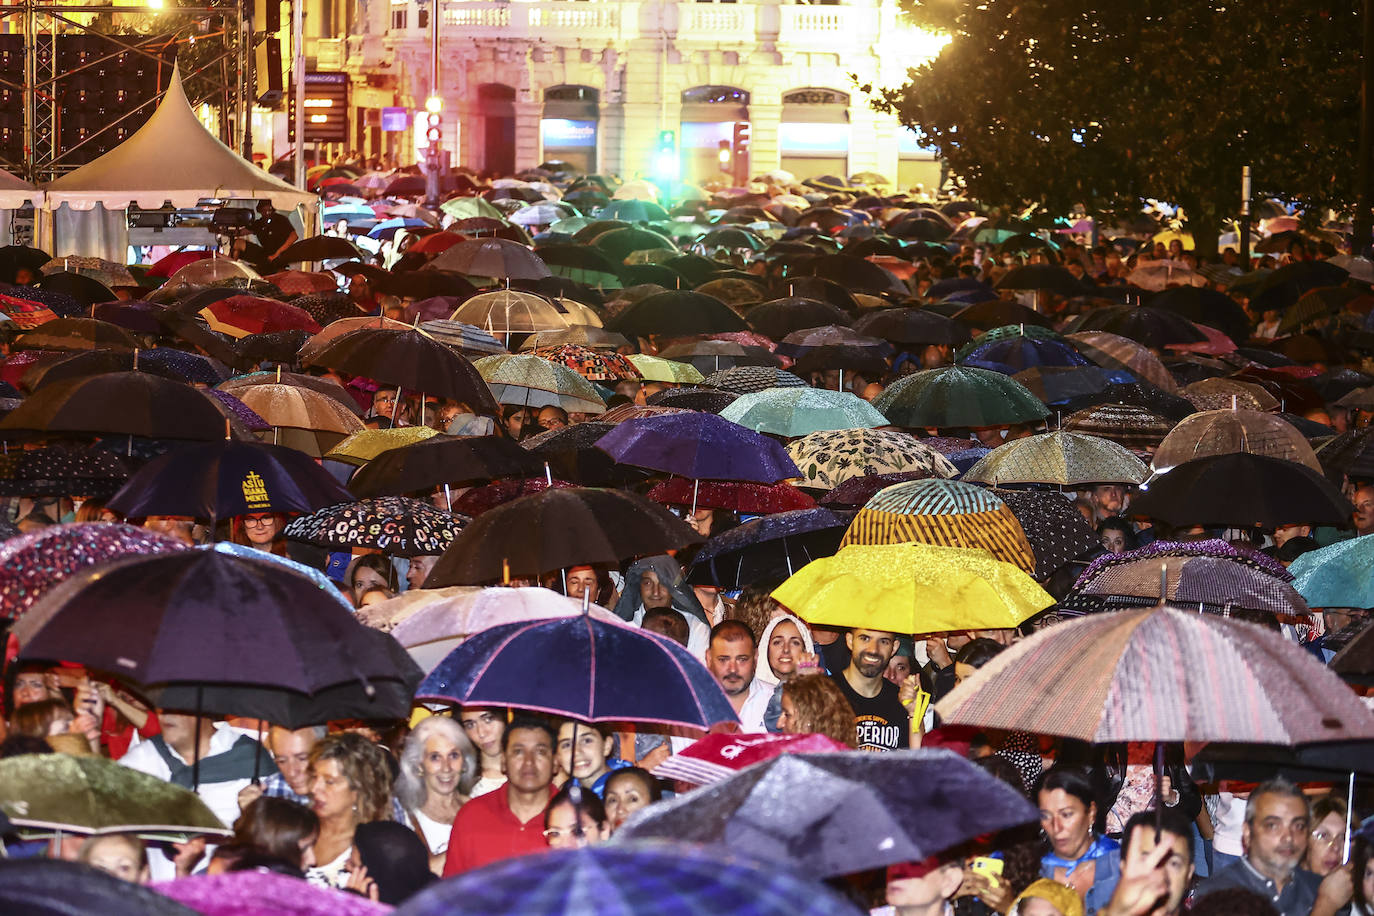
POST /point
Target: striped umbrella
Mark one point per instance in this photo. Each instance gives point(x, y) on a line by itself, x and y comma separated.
point(1112, 351)
point(912, 588)
point(943, 512)
point(1064, 458)
point(1160, 674)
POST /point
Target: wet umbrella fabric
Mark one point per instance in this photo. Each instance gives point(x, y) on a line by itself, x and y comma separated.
point(701, 446)
point(51, 887)
point(410, 359)
point(958, 396)
point(58, 471)
point(131, 403)
point(1217, 584)
point(1244, 490)
point(768, 550)
point(1340, 575)
point(677, 314)
point(828, 459)
point(1056, 530)
point(437, 461)
point(1160, 674)
point(1064, 458)
point(746, 498)
point(795, 412)
point(628, 881)
point(864, 810)
point(92, 795)
point(746, 379)
point(163, 361)
point(260, 892)
point(395, 525)
point(218, 480)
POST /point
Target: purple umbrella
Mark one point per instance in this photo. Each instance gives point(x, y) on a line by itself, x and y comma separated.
point(702, 446)
point(33, 563)
point(262, 893)
point(241, 411)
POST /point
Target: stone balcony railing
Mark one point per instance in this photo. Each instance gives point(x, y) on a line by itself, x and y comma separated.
point(495, 19)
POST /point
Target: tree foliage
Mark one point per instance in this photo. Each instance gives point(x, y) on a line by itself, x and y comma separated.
point(1054, 103)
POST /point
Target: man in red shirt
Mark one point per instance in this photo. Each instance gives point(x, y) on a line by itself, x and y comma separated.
point(509, 821)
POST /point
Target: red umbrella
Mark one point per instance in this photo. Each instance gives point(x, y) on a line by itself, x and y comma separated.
point(439, 241)
point(173, 262)
point(749, 498)
point(1216, 343)
point(242, 316)
point(25, 312)
point(718, 757)
point(481, 499)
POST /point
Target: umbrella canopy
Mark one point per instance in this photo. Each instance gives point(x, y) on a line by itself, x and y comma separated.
point(324, 386)
point(1340, 575)
point(747, 498)
point(913, 588)
point(1128, 425)
point(258, 891)
point(1243, 490)
point(702, 446)
point(127, 403)
point(656, 369)
point(364, 445)
point(1216, 583)
point(1065, 458)
point(492, 257)
point(226, 630)
point(394, 525)
point(1160, 674)
point(717, 757)
point(1112, 351)
point(628, 881)
point(592, 670)
point(299, 408)
point(58, 471)
point(319, 248)
point(1221, 432)
point(556, 529)
point(52, 887)
point(529, 381)
point(92, 795)
point(242, 316)
point(746, 379)
point(592, 365)
point(828, 459)
point(443, 460)
point(770, 549)
point(1154, 328)
point(945, 512)
point(1056, 530)
point(705, 399)
point(164, 361)
point(677, 313)
point(511, 311)
point(76, 334)
point(869, 811)
point(795, 412)
point(217, 480)
point(958, 396)
point(409, 359)
point(913, 326)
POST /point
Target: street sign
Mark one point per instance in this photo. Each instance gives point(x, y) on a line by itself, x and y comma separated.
point(326, 108)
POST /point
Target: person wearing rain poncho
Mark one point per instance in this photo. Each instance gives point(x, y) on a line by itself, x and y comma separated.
point(655, 582)
point(783, 649)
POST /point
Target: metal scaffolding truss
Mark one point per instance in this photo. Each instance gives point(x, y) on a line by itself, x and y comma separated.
point(218, 78)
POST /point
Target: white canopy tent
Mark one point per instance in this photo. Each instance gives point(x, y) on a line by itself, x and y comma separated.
point(173, 157)
point(15, 192)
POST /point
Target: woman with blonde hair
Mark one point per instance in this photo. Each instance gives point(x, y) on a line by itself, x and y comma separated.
point(350, 784)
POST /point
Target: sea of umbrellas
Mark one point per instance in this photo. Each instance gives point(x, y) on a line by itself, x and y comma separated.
point(813, 393)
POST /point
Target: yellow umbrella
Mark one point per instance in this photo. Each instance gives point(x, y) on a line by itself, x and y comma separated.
point(1171, 235)
point(361, 447)
point(913, 588)
point(657, 369)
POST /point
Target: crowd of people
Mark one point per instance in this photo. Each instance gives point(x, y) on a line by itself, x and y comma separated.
point(1098, 346)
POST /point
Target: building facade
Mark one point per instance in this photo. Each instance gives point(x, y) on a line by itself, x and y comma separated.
point(598, 82)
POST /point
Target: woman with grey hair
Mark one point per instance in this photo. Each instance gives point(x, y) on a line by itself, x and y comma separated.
point(438, 770)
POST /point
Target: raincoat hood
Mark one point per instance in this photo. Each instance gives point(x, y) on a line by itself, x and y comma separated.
point(670, 574)
point(765, 672)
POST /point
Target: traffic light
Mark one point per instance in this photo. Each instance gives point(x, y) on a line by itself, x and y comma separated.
point(740, 148)
point(666, 165)
point(741, 144)
point(724, 155)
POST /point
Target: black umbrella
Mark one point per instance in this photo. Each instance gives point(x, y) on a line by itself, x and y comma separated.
point(863, 810)
point(1152, 327)
point(426, 284)
point(657, 274)
point(996, 313)
point(1139, 394)
point(85, 290)
point(409, 359)
point(1286, 285)
point(621, 243)
point(440, 461)
point(177, 365)
point(769, 549)
point(780, 317)
point(915, 326)
point(372, 272)
point(1205, 306)
point(1057, 531)
point(13, 257)
point(132, 403)
point(217, 480)
point(1049, 277)
point(676, 313)
point(1242, 490)
point(272, 347)
point(1355, 661)
point(854, 273)
point(706, 399)
point(405, 186)
point(395, 525)
point(52, 887)
point(555, 529)
point(572, 455)
point(212, 619)
point(1326, 762)
point(843, 357)
point(76, 334)
point(326, 308)
point(492, 257)
point(58, 471)
point(319, 248)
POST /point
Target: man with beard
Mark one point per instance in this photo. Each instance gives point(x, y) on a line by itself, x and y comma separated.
point(879, 716)
point(732, 658)
point(1277, 822)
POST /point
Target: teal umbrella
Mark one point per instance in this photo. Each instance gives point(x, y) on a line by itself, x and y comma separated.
point(959, 396)
point(1341, 575)
point(794, 412)
point(59, 793)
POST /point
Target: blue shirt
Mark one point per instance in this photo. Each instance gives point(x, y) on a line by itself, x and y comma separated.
point(1295, 899)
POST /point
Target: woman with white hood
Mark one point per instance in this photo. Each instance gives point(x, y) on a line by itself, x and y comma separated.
point(785, 649)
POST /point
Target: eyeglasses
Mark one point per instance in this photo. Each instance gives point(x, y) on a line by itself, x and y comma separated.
point(554, 833)
point(1328, 839)
point(257, 520)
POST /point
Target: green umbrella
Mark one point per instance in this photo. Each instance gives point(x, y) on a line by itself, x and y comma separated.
point(92, 795)
point(959, 396)
point(468, 207)
point(795, 412)
point(534, 382)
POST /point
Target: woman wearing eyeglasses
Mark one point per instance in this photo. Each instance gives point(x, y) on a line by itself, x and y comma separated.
point(260, 530)
point(1326, 845)
point(575, 818)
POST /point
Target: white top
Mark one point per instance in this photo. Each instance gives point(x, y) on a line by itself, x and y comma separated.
point(755, 705)
point(698, 633)
point(220, 797)
point(486, 784)
point(331, 874)
point(436, 833)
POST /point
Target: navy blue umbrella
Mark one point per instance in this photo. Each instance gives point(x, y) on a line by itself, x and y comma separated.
point(222, 479)
point(581, 667)
point(1013, 354)
point(769, 549)
point(701, 446)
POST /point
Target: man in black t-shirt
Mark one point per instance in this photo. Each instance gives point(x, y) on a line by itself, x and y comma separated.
point(882, 721)
point(275, 234)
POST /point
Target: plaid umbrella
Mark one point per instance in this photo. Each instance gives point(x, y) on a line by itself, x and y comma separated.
point(828, 459)
point(944, 512)
point(913, 588)
point(1127, 425)
point(794, 412)
point(1219, 432)
point(1160, 674)
point(744, 379)
point(395, 525)
point(533, 382)
point(958, 396)
point(31, 564)
point(748, 498)
point(655, 369)
point(592, 365)
point(1340, 575)
point(1056, 530)
point(365, 444)
point(1112, 351)
point(58, 471)
point(1065, 458)
point(1223, 393)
